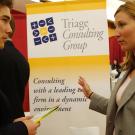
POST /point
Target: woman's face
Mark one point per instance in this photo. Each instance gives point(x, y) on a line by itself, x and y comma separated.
point(5, 28)
point(125, 31)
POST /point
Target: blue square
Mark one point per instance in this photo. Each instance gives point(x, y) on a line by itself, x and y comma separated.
point(53, 37)
point(34, 25)
point(49, 21)
point(37, 41)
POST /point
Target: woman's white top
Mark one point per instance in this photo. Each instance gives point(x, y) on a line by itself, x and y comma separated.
point(121, 91)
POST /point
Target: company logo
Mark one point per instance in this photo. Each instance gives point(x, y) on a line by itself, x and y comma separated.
point(43, 31)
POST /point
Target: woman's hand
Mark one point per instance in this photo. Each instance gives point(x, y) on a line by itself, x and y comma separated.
point(85, 87)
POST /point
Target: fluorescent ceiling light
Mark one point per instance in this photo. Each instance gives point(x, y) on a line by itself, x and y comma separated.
point(48, 0)
point(35, 0)
point(56, 0)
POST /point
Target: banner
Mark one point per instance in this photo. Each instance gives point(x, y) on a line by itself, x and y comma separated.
point(67, 40)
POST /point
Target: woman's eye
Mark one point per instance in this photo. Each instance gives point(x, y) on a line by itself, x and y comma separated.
point(121, 24)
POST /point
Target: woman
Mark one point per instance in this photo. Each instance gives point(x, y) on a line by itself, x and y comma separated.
point(120, 108)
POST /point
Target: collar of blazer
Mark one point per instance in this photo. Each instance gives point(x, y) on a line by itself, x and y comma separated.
point(112, 107)
point(129, 91)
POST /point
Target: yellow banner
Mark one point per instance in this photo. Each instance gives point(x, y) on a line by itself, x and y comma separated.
point(50, 7)
point(67, 40)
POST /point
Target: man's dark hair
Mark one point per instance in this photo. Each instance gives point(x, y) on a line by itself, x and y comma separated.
point(8, 3)
point(12, 25)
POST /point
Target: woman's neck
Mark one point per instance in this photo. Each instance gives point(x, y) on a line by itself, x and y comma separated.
point(132, 74)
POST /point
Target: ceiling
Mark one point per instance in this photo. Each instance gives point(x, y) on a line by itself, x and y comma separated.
point(19, 5)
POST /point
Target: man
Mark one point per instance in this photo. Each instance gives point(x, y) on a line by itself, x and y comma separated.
point(12, 120)
point(5, 17)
